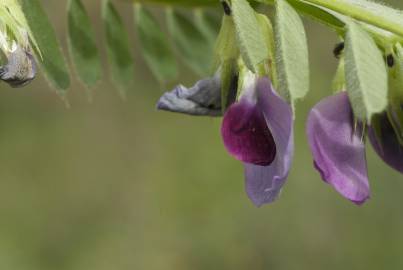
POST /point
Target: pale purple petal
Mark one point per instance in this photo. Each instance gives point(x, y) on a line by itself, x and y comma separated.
point(246, 135)
point(387, 145)
point(263, 183)
point(204, 98)
point(338, 150)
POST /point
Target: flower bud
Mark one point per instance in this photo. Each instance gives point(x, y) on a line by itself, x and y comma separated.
point(20, 68)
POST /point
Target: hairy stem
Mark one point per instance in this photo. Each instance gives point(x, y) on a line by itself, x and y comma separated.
point(184, 3)
point(368, 12)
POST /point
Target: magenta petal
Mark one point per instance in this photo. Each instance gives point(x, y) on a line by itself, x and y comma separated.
point(264, 183)
point(246, 135)
point(388, 148)
point(338, 151)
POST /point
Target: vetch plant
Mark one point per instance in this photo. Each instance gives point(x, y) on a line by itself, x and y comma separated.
point(258, 130)
point(253, 69)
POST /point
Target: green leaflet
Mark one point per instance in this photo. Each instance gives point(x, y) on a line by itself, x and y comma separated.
point(250, 40)
point(118, 49)
point(191, 44)
point(82, 45)
point(156, 50)
point(291, 53)
point(366, 77)
point(53, 61)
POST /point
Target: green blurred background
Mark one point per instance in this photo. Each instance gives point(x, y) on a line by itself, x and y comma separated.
point(118, 185)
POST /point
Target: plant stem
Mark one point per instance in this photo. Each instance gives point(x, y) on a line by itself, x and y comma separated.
point(368, 14)
point(371, 13)
point(317, 12)
point(183, 3)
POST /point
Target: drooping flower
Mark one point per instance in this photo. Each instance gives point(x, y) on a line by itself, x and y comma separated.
point(338, 147)
point(204, 98)
point(386, 143)
point(258, 130)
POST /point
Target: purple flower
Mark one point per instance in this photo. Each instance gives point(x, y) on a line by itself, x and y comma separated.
point(338, 148)
point(385, 142)
point(258, 130)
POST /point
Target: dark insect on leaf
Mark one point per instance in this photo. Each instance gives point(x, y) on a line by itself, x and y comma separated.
point(338, 49)
point(227, 8)
point(20, 68)
point(390, 60)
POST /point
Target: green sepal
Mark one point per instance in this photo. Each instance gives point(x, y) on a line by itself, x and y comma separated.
point(339, 80)
point(226, 55)
point(229, 83)
point(226, 47)
point(395, 95)
point(269, 64)
point(376, 126)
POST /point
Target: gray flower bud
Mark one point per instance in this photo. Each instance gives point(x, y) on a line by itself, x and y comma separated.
point(204, 98)
point(20, 68)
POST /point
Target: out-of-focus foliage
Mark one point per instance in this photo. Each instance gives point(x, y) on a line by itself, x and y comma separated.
point(156, 50)
point(82, 45)
point(52, 59)
point(118, 47)
point(190, 42)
